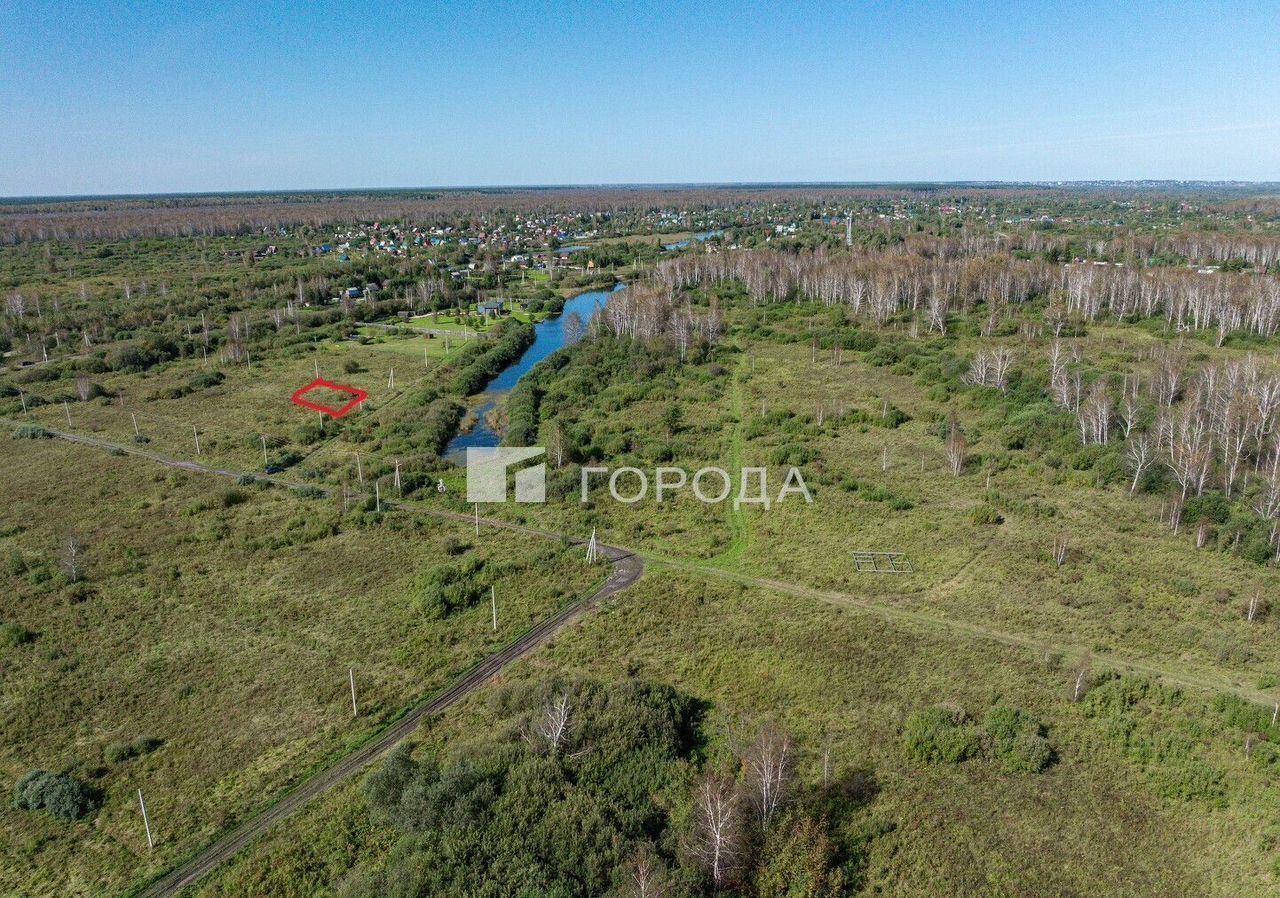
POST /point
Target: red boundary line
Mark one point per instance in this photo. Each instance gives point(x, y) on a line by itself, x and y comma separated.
point(359, 394)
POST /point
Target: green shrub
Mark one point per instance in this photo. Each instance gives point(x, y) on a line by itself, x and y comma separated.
point(984, 515)
point(12, 634)
point(1017, 740)
point(451, 587)
point(792, 455)
point(1168, 749)
point(939, 736)
point(119, 752)
point(61, 795)
point(1213, 507)
point(233, 497)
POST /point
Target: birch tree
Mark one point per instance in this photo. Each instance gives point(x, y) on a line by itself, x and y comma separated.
point(1139, 455)
point(73, 559)
point(957, 448)
point(552, 723)
point(768, 761)
point(716, 840)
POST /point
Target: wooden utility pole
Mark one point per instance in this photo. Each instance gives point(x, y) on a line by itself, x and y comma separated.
point(317, 364)
point(493, 601)
point(391, 379)
point(264, 449)
point(359, 469)
point(397, 477)
point(23, 397)
point(377, 496)
point(351, 675)
point(146, 822)
point(66, 408)
point(477, 519)
point(196, 433)
point(136, 432)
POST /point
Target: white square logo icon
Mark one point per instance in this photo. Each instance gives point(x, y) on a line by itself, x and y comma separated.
point(487, 474)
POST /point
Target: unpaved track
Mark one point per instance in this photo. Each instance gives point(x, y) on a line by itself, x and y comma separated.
point(625, 569)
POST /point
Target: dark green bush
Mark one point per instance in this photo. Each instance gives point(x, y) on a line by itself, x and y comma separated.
point(1212, 506)
point(232, 497)
point(119, 752)
point(61, 795)
point(985, 515)
point(940, 736)
point(451, 587)
point(12, 634)
point(1017, 740)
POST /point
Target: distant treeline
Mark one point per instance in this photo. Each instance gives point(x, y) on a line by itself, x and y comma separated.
point(117, 218)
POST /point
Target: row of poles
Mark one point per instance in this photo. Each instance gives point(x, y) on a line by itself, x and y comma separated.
point(593, 555)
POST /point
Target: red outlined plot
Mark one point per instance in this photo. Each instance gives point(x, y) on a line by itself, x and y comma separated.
point(358, 395)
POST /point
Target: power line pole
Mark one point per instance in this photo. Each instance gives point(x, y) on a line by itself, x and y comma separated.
point(593, 551)
point(351, 675)
point(398, 491)
point(493, 600)
point(197, 436)
point(66, 408)
point(136, 432)
point(264, 449)
point(146, 822)
point(477, 519)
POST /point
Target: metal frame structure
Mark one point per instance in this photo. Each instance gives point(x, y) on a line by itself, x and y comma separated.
point(882, 563)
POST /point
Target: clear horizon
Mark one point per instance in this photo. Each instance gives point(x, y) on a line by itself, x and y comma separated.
point(128, 99)
point(639, 185)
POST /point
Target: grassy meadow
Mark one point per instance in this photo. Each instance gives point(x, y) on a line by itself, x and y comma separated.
point(203, 653)
point(1135, 765)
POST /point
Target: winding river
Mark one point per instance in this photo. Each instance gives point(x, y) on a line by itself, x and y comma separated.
point(548, 337)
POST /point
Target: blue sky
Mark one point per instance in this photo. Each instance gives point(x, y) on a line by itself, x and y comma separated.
point(149, 97)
